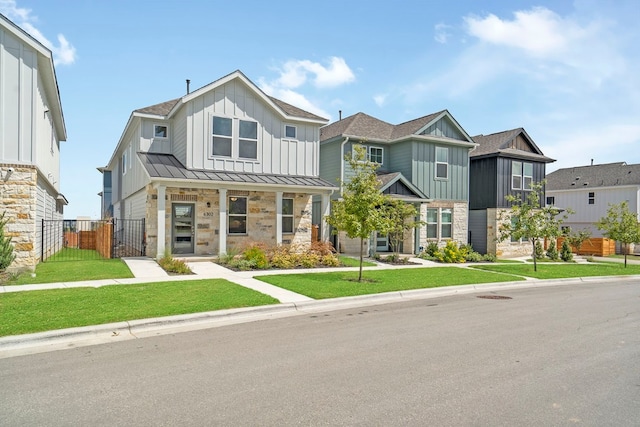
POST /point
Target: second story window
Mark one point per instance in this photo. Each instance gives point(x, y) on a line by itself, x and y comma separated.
point(290, 132)
point(160, 131)
point(375, 155)
point(592, 198)
point(551, 201)
point(234, 138)
point(442, 162)
point(124, 163)
point(521, 175)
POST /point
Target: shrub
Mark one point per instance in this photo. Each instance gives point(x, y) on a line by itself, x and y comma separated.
point(6, 248)
point(451, 253)
point(227, 258)
point(432, 249)
point(552, 251)
point(565, 253)
point(489, 258)
point(172, 265)
point(473, 257)
point(330, 260)
point(256, 256)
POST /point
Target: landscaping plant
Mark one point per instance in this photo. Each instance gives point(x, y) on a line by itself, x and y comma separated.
point(565, 252)
point(552, 251)
point(621, 225)
point(6, 248)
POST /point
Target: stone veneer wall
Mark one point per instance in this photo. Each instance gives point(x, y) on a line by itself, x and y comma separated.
point(507, 248)
point(18, 193)
point(261, 219)
point(460, 225)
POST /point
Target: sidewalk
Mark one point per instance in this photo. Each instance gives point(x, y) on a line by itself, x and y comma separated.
point(147, 270)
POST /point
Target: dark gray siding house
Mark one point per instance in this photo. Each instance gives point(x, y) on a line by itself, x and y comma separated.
point(504, 163)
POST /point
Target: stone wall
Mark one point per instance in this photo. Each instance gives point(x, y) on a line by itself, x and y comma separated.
point(460, 225)
point(18, 195)
point(507, 248)
point(261, 219)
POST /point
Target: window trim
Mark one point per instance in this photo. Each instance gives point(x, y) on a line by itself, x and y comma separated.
point(446, 163)
point(123, 162)
point(439, 223)
point(234, 139)
point(157, 125)
point(245, 139)
point(295, 131)
point(369, 156)
point(522, 176)
point(442, 223)
point(591, 198)
point(291, 215)
point(219, 135)
point(241, 215)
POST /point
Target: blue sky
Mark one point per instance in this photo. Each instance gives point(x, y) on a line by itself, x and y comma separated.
point(568, 72)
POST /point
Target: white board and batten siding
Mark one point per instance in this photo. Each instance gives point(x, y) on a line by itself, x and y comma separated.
point(135, 205)
point(276, 154)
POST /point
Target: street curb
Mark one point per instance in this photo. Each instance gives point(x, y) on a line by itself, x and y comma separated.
point(113, 332)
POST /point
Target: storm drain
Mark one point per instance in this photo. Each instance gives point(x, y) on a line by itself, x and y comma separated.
point(493, 297)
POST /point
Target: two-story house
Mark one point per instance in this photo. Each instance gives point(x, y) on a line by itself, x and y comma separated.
point(589, 191)
point(31, 128)
point(424, 161)
point(220, 167)
point(504, 163)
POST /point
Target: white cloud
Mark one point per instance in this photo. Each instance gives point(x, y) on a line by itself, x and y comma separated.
point(442, 33)
point(380, 100)
point(63, 53)
point(295, 73)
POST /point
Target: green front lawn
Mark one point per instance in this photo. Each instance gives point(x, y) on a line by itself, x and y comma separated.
point(73, 271)
point(343, 284)
point(562, 271)
point(36, 311)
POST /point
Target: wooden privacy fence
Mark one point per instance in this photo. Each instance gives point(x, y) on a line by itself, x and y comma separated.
point(595, 246)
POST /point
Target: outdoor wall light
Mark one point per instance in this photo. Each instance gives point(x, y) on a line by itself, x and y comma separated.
point(208, 204)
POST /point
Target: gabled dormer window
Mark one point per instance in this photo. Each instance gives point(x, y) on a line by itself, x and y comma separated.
point(442, 162)
point(234, 138)
point(160, 131)
point(290, 132)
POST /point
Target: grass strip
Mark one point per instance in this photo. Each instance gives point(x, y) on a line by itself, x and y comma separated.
point(354, 262)
point(562, 271)
point(36, 311)
point(343, 284)
point(73, 271)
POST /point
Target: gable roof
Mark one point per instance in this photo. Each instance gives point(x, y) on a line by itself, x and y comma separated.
point(503, 144)
point(46, 69)
point(388, 179)
point(288, 111)
point(364, 126)
point(605, 175)
point(167, 167)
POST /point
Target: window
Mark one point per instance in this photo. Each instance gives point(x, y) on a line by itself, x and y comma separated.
point(442, 162)
point(432, 223)
point(245, 139)
point(160, 131)
point(514, 224)
point(222, 136)
point(592, 198)
point(551, 201)
point(521, 175)
point(439, 223)
point(124, 163)
point(287, 215)
point(446, 223)
point(290, 132)
point(375, 155)
point(248, 142)
point(237, 215)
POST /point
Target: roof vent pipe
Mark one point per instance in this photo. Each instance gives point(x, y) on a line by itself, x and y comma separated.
point(188, 82)
point(339, 114)
point(591, 162)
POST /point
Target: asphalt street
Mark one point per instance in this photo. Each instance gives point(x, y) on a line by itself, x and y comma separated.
point(565, 355)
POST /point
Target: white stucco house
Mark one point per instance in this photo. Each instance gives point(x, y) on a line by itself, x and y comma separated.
point(31, 128)
point(219, 167)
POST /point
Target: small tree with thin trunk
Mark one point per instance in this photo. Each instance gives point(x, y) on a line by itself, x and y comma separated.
point(400, 219)
point(6, 248)
point(577, 238)
point(360, 211)
point(528, 220)
point(621, 225)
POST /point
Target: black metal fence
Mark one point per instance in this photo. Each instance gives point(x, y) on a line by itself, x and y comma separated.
point(70, 239)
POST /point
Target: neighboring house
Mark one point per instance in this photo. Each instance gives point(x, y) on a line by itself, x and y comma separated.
point(218, 168)
point(590, 190)
point(423, 161)
point(504, 163)
point(31, 128)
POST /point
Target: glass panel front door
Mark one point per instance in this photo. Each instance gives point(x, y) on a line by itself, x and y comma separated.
point(182, 229)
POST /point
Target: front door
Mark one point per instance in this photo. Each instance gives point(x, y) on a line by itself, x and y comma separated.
point(183, 231)
point(382, 242)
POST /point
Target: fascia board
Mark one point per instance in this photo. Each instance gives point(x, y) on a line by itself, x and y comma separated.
point(243, 185)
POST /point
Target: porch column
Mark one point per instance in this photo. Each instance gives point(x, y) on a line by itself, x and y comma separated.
point(279, 218)
point(325, 209)
point(160, 232)
point(222, 235)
